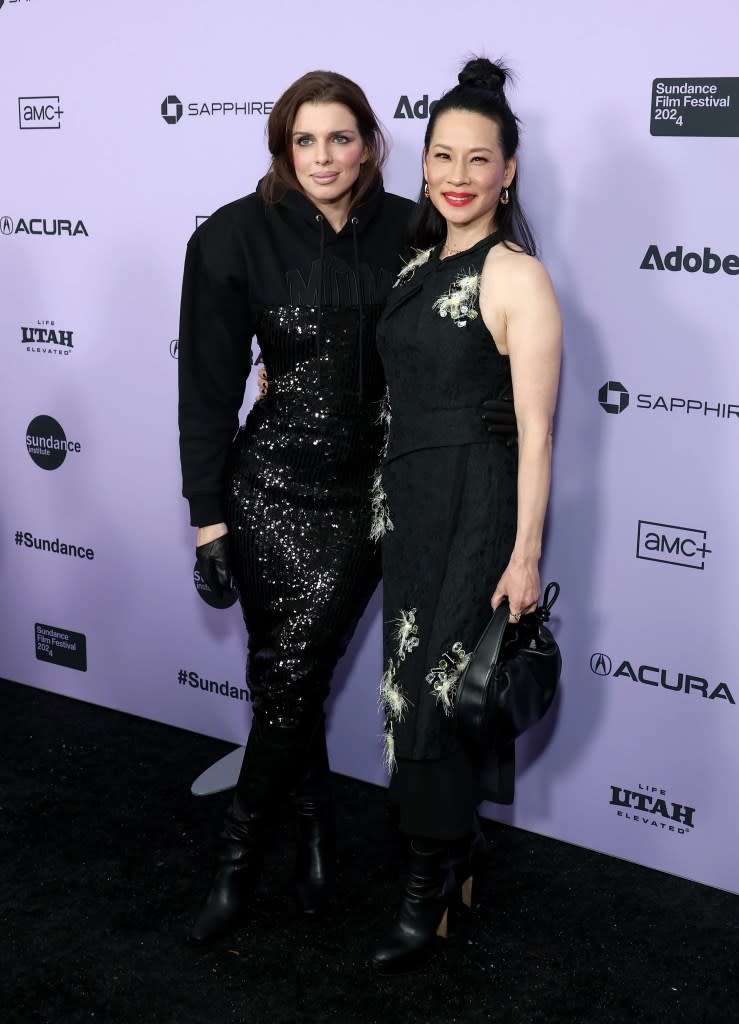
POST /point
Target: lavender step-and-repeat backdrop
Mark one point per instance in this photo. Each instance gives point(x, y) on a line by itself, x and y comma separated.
point(122, 127)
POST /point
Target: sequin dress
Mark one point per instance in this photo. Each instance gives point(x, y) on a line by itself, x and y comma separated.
point(293, 487)
point(449, 494)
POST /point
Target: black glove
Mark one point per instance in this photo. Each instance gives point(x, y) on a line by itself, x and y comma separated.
point(213, 563)
point(500, 418)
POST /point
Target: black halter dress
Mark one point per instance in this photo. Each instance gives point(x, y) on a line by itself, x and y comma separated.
point(447, 507)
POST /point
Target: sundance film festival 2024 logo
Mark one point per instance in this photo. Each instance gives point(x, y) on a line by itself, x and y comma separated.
point(662, 678)
point(48, 339)
point(614, 398)
point(39, 112)
point(173, 109)
point(697, 107)
point(649, 805)
point(47, 443)
point(61, 646)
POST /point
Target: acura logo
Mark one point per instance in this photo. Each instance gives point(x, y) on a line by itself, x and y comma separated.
point(601, 664)
point(6, 224)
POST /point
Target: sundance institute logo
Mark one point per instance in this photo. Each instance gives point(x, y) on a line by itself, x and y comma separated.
point(47, 443)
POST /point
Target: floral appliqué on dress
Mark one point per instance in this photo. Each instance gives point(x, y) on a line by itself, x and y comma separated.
point(444, 678)
point(381, 521)
point(422, 256)
point(458, 303)
point(392, 699)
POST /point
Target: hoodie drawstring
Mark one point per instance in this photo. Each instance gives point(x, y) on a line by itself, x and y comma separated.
point(319, 218)
point(355, 223)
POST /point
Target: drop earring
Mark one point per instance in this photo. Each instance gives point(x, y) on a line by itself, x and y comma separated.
point(505, 197)
point(426, 189)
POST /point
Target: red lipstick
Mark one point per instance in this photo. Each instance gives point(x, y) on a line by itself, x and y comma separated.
point(458, 198)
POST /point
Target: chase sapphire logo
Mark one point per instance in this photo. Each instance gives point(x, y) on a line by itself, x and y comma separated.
point(613, 397)
point(171, 109)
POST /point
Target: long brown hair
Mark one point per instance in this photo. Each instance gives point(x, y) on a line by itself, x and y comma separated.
point(320, 87)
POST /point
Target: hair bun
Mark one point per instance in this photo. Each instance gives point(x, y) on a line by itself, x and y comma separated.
point(482, 73)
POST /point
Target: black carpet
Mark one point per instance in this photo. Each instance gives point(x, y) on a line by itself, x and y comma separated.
point(105, 855)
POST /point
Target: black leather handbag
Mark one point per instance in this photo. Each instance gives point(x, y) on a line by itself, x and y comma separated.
point(510, 679)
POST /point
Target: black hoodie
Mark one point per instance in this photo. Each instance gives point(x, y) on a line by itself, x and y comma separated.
point(247, 256)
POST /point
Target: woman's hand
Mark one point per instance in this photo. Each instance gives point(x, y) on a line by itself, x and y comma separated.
point(212, 559)
point(521, 585)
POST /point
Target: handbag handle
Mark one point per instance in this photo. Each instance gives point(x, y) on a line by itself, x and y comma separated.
point(503, 611)
point(551, 593)
point(497, 630)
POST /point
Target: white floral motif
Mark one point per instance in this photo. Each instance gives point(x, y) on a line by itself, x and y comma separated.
point(407, 272)
point(389, 754)
point(444, 678)
point(381, 521)
point(458, 302)
point(391, 698)
point(406, 631)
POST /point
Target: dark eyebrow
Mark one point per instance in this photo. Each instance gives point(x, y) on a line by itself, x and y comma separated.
point(335, 131)
point(475, 149)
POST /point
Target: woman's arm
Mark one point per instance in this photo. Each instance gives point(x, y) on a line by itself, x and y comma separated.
point(533, 340)
point(214, 362)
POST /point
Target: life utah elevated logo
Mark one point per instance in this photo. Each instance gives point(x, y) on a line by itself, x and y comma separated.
point(650, 806)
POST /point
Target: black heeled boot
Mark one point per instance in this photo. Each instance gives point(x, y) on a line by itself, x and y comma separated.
point(239, 860)
point(468, 859)
point(430, 891)
point(315, 830)
point(269, 766)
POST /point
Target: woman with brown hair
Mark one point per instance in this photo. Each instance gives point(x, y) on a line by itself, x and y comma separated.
point(305, 264)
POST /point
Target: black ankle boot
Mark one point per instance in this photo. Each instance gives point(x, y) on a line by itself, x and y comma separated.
point(429, 891)
point(468, 859)
point(315, 831)
point(240, 857)
point(270, 762)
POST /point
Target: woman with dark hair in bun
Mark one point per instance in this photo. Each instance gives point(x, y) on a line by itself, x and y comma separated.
point(472, 318)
